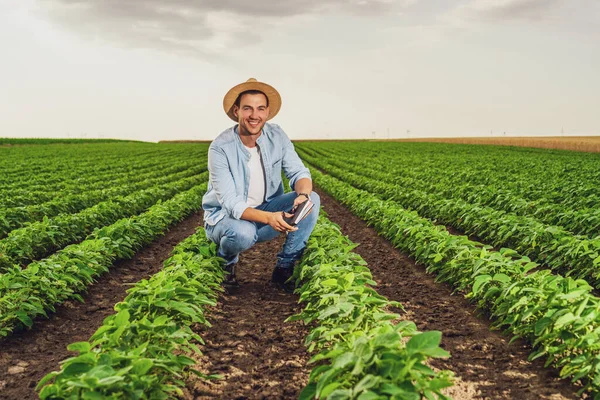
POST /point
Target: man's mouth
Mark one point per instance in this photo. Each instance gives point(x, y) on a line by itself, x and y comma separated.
point(254, 124)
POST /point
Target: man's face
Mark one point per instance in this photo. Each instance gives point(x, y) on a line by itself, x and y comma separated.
point(252, 113)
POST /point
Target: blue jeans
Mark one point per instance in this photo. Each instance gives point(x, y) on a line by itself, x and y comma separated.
point(234, 236)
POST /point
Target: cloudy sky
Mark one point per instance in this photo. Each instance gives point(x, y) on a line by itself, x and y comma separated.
point(158, 69)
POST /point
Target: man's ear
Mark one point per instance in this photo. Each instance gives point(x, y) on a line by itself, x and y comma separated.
point(236, 109)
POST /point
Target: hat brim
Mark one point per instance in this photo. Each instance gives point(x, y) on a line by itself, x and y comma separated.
point(268, 90)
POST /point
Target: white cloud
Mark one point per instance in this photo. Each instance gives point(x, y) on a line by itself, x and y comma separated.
point(202, 28)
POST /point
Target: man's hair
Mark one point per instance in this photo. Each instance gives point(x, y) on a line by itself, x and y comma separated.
point(239, 98)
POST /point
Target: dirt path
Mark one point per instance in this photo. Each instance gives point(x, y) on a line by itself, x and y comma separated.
point(249, 343)
point(39, 350)
point(488, 367)
point(260, 355)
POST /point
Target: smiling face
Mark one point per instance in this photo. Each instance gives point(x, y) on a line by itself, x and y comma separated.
point(252, 113)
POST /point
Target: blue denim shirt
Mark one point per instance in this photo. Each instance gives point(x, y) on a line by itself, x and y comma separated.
point(229, 175)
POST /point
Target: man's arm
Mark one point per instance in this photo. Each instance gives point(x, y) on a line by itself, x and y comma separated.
point(273, 219)
point(304, 185)
point(293, 167)
point(223, 184)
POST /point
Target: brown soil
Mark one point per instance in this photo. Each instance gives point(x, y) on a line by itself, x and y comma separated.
point(486, 365)
point(29, 355)
point(259, 355)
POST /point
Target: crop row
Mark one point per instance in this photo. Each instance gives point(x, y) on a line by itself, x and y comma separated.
point(84, 173)
point(361, 354)
point(81, 182)
point(575, 255)
point(584, 221)
point(567, 180)
point(16, 217)
point(44, 237)
point(20, 163)
point(559, 316)
point(37, 289)
point(142, 351)
point(25, 161)
point(27, 197)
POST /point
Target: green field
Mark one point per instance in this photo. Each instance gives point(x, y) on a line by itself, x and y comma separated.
point(514, 230)
point(538, 207)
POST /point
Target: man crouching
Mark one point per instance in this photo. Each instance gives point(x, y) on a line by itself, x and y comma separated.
point(245, 203)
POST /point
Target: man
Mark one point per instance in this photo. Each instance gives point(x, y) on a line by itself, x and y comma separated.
point(245, 202)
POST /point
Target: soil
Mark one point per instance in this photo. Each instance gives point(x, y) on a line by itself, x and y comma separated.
point(28, 356)
point(487, 367)
point(261, 356)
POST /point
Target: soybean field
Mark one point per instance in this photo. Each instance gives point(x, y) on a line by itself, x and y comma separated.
point(436, 271)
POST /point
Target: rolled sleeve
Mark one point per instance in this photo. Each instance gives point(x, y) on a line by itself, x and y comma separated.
point(293, 167)
point(238, 209)
point(223, 183)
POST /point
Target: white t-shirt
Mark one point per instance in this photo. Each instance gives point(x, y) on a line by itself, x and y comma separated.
point(256, 189)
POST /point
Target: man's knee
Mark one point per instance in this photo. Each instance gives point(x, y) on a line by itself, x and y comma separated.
point(242, 233)
point(315, 198)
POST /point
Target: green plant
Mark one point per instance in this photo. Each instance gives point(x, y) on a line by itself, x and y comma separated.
point(27, 293)
point(361, 352)
point(558, 315)
point(142, 351)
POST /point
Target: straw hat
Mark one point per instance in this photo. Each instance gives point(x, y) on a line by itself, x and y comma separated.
point(252, 84)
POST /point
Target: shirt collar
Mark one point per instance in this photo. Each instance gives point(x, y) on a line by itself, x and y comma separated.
point(239, 140)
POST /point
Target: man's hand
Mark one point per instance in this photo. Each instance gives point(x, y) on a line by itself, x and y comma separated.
point(276, 221)
point(299, 200)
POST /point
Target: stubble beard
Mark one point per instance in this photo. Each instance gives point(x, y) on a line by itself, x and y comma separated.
point(245, 132)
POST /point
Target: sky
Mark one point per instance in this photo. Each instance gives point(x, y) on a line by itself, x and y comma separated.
point(158, 70)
